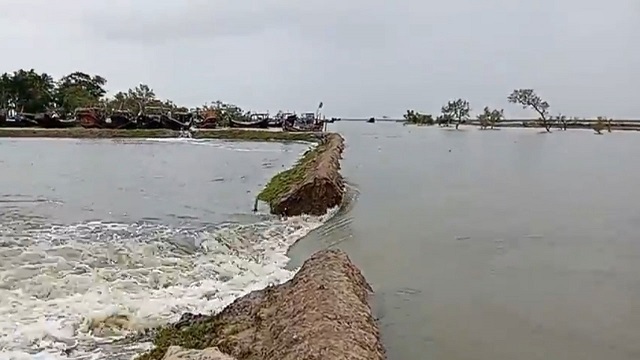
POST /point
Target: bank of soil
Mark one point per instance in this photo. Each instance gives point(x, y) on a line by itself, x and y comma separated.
point(222, 134)
point(322, 313)
point(313, 185)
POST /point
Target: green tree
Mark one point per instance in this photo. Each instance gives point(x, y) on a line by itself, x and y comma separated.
point(457, 110)
point(27, 91)
point(79, 89)
point(414, 117)
point(490, 117)
point(529, 99)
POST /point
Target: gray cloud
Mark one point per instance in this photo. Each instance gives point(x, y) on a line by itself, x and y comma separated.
point(361, 58)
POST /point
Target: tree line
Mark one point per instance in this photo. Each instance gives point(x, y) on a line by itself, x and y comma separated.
point(29, 91)
point(458, 112)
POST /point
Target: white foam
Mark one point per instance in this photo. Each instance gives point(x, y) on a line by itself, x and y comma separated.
point(53, 281)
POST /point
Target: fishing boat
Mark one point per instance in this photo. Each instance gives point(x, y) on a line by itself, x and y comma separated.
point(207, 118)
point(307, 122)
point(120, 119)
point(51, 120)
point(90, 117)
point(260, 121)
point(178, 121)
point(150, 118)
point(278, 120)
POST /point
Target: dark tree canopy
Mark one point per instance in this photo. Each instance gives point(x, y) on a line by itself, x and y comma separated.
point(457, 110)
point(529, 99)
point(33, 92)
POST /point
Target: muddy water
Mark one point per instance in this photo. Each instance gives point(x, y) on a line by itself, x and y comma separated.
point(101, 238)
point(494, 245)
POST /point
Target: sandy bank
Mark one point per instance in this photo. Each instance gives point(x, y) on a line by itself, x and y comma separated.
point(313, 185)
point(322, 313)
point(223, 134)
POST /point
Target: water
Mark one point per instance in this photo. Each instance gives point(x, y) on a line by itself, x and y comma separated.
point(99, 239)
point(483, 245)
point(494, 245)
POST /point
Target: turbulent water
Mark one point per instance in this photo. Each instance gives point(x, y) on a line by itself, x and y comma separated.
point(99, 239)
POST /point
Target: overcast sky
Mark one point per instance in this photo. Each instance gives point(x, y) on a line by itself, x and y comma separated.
point(362, 58)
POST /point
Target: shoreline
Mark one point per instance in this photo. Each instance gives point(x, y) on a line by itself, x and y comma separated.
point(220, 134)
point(554, 127)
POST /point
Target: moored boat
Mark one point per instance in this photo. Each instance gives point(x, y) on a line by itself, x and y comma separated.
point(52, 120)
point(90, 117)
point(177, 120)
point(150, 118)
point(260, 121)
point(120, 119)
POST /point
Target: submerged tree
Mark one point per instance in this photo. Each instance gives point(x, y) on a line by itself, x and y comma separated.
point(414, 117)
point(561, 120)
point(489, 117)
point(529, 99)
point(457, 110)
point(601, 123)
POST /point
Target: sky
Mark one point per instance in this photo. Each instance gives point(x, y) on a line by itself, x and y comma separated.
point(361, 58)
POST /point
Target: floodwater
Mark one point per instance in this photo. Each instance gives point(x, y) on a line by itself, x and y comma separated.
point(101, 238)
point(480, 245)
point(494, 245)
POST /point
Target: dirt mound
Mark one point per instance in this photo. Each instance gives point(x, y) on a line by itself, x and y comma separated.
point(313, 186)
point(322, 313)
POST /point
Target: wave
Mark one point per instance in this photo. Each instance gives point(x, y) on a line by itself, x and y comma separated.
point(68, 292)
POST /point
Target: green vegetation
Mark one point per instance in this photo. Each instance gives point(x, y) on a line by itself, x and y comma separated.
point(529, 99)
point(489, 117)
point(32, 92)
point(282, 182)
point(200, 335)
point(457, 110)
point(416, 118)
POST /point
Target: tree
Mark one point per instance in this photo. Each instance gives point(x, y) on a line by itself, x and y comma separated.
point(489, 117)
point(414, 117)
point(457, 110)
point(561, 120)
point(529, 99)
point(27, 91)
point(79, 90)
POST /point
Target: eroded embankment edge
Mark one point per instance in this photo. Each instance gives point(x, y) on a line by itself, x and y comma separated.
point(313, 185)
point(322, 311)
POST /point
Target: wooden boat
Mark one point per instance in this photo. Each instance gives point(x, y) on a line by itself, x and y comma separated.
point(177, 120)
point(279, 118)
point(90, 117)
point(306, 124)
point(207, 119)
point(15, 119)
point(151, 118)
point(120, 119)
point(51, 120)
point(260, 121)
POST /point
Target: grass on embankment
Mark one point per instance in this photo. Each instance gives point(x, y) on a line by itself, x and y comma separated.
point(282, 182)
point(221, 134)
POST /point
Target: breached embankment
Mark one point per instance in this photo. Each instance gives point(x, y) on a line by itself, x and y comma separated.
point(322, 313)
point(313, 185)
